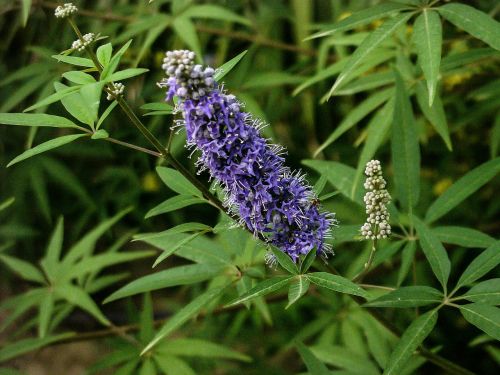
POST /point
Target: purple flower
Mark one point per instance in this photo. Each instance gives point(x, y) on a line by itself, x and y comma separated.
point(270, 199)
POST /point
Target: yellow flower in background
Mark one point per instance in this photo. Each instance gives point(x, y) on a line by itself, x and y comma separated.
point(150, 182)
point(442, 185)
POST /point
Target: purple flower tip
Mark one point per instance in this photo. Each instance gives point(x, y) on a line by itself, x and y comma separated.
point(271, 201)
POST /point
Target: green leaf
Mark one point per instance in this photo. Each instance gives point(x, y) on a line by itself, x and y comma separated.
point(185, 30)
point(188, 347)
point(27, 345)
point(115, 60)
point(228, 66)
point(45, 313)
point(486, 292)
point(308, 261)
point(434, 114)
point(77, 61)
point(46, 146)
point(298, 287)
point(148, 367)
point(104, 53)
point(369, 44)
point(78, 77)
point(361, 18)
point(405, 148)
point(174, 203)
point(461, 236)
point(36, 119)
point(100, 134)
point(91, 95)
point(181, 228)
point(183, 315)
point(25, 10)
point(146, 323)
point(86, 244)
point(24, 269)
point(484, 317)
point(336, 283)
point(158, 106)
point(356, 115)
point(77, 296)
point(473, 21)
point(285, 261)
point(182, 275)
point(407, 258)
point(460, 190)
point(313, 364)
point(428, 38)
point(125, 74)
point(408, 296)
point(96, 263)
point(106, 113)
point(339, 356)
point(434, 252)
point(481, 265)
point(75, 104)
point(173, 365)
point(177, 182)
point(7, 203)
point(57, 96)
point(341, 176)
point(410, 341)
point(214, 12)
point(261, 289)
point(174, 246)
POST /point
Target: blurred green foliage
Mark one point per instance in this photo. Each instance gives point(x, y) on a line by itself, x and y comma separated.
point(414, 83)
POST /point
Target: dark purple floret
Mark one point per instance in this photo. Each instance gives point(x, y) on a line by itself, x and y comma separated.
point(270, 199)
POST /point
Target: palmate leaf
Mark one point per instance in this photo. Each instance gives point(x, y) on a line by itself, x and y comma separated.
point(183, 315)
point(125, 74)
point(181, 228)
point(414, 335)
point(182, 275)
point(27, 345)
point(361, 18)
point(484, 317)
point(24, 269)
point(461, 236)
point(189, 347)
point(298, 287)
point(46, 146)
point(228, 66)
point(474, 22)
point(313, 364)
point(173, 365)
point(405, 148)
point(481, 265)
point(336, 283)
point(434, 252)
point(265, 287)
point(78, 297)
point(486, 292)
point(185, 30)
point(174, 203)
point(409, 296)
point(36, 119)
point(104, 54)
point(372, 41)
point(343, 358)
point(428, 38)
point(177, 182)
point(214, 12)
point(462, 188)
point(285, 261)
point(356, 115)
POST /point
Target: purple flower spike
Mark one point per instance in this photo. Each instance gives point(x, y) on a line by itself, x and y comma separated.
point(271, 201)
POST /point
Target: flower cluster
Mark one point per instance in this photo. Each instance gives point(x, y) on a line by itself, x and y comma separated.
point(80, 45)
point(115, 91)
point(376, 198)
point(66, 10)
point(271, 201)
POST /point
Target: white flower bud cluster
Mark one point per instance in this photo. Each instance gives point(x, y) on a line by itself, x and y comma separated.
point(116, 91)
point(190, 80)
point(66, 10)
point(376, 198)
point(80, 45)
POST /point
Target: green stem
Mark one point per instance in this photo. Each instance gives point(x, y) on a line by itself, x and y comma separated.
point(368, 264)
